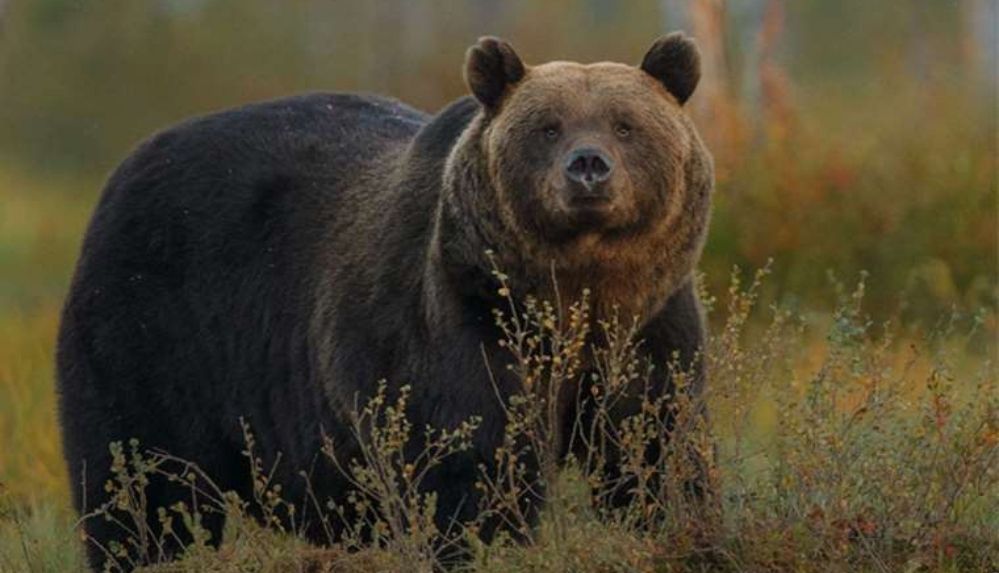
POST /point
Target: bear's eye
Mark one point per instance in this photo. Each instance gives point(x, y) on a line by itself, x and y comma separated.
point(551, 132)
point(622, 129)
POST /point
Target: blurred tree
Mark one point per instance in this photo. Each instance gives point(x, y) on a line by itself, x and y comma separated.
point(980, 41)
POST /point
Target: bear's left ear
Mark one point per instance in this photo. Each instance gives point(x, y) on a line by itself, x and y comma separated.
point(676, 63)
point(491, 66)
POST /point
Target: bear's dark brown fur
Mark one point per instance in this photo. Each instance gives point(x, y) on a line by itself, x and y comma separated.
point(273, 262)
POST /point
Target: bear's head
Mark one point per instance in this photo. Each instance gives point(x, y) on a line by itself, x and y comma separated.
point(592, 171)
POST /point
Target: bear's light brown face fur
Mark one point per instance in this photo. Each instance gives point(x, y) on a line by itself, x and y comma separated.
point(641, 240)
point(561, 107)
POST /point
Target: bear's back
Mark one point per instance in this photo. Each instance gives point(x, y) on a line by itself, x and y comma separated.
point(318, 135)
point(210, 231)
point(224, 180)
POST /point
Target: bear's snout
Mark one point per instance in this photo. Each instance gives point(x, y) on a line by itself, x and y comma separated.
point(588, 166)
point(588, 171)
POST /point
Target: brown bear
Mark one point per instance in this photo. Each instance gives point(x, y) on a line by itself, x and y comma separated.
point(273, 262)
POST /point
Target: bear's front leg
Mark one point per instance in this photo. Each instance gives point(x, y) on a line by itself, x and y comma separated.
point(642, 443)
point(492, 486)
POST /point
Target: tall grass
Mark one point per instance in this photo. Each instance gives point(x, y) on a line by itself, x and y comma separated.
point(836, 443)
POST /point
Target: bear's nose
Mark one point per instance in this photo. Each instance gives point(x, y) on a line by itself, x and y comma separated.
point(589, 166)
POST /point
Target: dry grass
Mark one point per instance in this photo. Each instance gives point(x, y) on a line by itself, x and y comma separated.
point(842, 445)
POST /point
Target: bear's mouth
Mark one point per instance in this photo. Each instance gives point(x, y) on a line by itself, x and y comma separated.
point(589, 212)
point(590, 216)
point(589, 202)
point(569, 217)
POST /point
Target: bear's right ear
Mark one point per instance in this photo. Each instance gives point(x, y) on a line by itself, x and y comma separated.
point(676, 63)
point(491, 66)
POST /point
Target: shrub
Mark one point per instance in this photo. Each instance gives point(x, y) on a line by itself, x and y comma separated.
point(872, 448)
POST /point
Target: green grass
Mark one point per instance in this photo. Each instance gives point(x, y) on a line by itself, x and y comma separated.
point(38, 537)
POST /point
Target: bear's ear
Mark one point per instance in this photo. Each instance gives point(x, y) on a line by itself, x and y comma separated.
point(676, 63)
point(491, 66)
